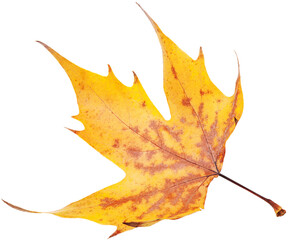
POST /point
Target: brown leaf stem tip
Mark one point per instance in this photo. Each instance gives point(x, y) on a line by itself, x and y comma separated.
point(278, 210)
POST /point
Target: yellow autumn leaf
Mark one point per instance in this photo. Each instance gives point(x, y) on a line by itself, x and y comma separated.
point(168, 164)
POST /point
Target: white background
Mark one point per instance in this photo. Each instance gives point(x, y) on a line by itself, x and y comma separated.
point(45, 167)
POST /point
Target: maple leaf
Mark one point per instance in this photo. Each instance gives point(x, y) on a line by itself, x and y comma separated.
point(169, 164)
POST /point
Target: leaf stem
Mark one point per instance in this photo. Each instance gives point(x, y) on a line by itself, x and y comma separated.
point(278, 210)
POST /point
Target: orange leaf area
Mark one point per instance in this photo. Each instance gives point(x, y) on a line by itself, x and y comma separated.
point(169, 164)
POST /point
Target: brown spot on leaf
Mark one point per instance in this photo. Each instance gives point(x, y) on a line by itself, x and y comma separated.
point(134, 152)
point(175, 133)
point(146, 135)
point(213, 131)
point(143, 104)
point(201, 110)
point(186, 101)
point(116, 143)
point(183, 120)
point(236, 120)
point(137, 199)
point(205, 92)
point(174, 72)
point(81, 86)
point(152, 169)
point(154, 125)
point(133, 208)
point(150, 154)
point(135, 129)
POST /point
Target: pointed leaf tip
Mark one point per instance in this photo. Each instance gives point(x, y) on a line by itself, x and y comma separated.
point(201, 54)
point(238, 65)
point(138, 5)
point(151, 20)
point(74, 131)
point(18, 208)
point(109, 68)
point(110, 72)
point(135, 78)
point(43, 44)
point(114, 234)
